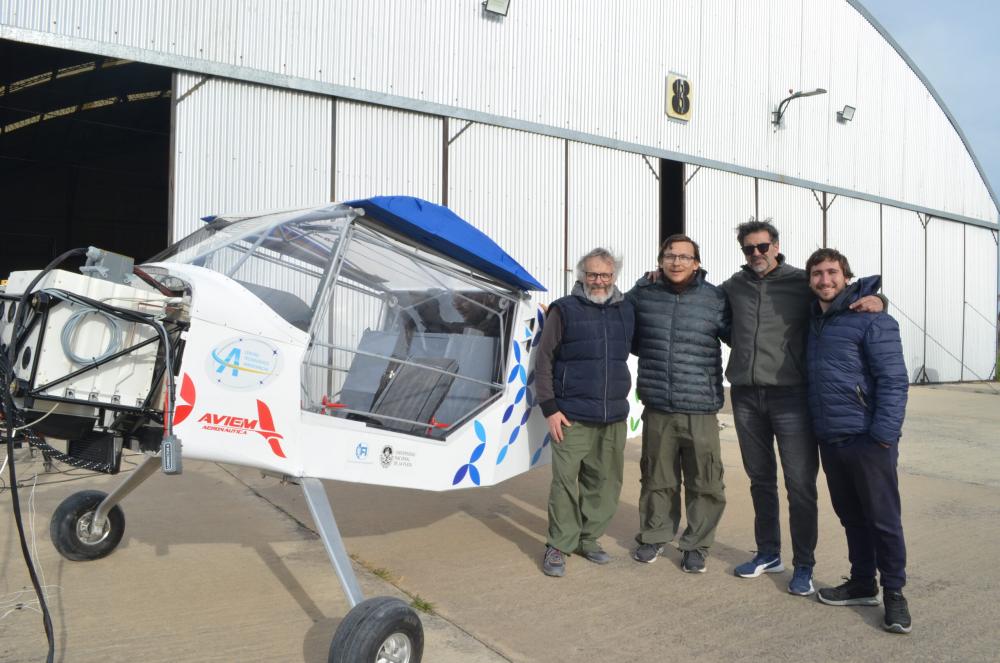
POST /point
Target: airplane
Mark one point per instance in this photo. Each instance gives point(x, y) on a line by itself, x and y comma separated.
point(384, 341)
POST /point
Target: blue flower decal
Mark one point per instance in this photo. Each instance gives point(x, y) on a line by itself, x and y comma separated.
point(470, 467)
point(541, 324)
point(538, 452)
point(524, 393)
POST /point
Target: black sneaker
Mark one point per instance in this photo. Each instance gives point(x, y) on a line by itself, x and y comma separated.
point(693, 561)
point(553, 564)
point(647, 552)
point(897, 614)
point(853, 592)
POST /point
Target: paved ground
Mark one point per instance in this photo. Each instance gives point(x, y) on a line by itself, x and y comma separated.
point(220, 564)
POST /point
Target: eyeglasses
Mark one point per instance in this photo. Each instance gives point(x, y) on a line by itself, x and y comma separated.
point(599, 276)
point(762, 248)
point(673, 257)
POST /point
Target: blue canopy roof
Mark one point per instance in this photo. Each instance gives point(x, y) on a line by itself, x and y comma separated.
point(442, 230)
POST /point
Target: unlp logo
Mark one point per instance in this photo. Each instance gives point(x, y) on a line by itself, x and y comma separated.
point(244, 363)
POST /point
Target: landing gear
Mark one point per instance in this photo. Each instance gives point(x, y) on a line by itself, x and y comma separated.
point(90, 524)
point(380, 630)
point(72, 532)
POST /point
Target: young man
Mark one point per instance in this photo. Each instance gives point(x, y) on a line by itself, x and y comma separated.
point(679, 320)
point(583, 384)
point(857, 397)
point(770, 307)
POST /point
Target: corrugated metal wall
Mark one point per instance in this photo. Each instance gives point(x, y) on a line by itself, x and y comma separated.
point(854, 228)
point(548, 201)
point(797, 215)
point(612, 201)
point(510, 185)
point(945, 289)
point(717, 202)
point(980, 320)
point(239, 146)
point(243, 148)
point(386, 152)
point(903, 281)
point(540, 65)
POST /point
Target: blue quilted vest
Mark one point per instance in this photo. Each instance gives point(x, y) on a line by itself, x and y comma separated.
point(591, 379)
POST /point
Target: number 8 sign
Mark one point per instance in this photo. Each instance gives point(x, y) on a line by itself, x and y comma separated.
point(679, 97)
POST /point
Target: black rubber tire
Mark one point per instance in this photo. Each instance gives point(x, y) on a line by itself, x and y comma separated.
point(369, 624)
point(63, 528)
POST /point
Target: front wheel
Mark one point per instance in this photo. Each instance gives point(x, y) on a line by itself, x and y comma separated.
point(380, 630)
point(70, 527)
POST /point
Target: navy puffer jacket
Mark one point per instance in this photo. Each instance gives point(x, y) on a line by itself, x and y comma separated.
point(857, 378)
point(677, 341)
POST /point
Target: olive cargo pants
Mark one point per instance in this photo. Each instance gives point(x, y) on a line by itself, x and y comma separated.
point(587, 471)
point(676, 446)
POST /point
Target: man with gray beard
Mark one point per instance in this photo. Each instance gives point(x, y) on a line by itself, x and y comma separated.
point(583, 384)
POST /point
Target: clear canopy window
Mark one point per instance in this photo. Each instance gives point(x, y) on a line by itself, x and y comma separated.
point(401, 337)
point(405, 339)
point(281, 258)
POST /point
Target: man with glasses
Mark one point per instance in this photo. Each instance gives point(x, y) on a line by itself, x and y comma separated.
point(770, 303)
point(582, 385)
point(680, 318)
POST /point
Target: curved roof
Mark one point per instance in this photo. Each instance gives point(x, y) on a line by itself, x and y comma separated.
point(930, 88)
point(535, 72)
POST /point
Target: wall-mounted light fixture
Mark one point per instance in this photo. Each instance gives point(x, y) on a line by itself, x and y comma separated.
point(783, 106)
point(846, 115)
point(498, 7)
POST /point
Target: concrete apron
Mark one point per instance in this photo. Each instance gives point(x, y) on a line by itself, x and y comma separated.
point(220, 564)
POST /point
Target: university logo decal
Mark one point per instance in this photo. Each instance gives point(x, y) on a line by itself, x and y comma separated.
point(243, 363)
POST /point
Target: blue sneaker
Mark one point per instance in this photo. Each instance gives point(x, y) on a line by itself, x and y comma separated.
point(802, 581)
point(761, 563)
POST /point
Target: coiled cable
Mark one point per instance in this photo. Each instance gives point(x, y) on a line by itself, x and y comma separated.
point(74, 320)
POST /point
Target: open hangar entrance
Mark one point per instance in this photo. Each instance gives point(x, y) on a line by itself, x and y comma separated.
point(84, 155)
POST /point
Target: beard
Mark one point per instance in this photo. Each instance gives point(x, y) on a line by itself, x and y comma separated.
point(597, 298)
point(760, 266)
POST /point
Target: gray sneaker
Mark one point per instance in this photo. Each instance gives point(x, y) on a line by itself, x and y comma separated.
point(553, 563)
point(597, 556)
point(693, 561)
point(647, 552)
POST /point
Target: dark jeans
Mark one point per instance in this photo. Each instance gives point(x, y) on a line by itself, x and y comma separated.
point(865, 493)
point(762, 414)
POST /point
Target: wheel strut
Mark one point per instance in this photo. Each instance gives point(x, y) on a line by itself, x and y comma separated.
point(146, 468)
point(319, 507)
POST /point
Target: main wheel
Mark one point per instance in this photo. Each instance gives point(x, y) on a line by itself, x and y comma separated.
point(70, 527)
point(380, 630)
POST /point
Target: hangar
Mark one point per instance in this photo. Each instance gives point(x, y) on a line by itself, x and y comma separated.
point(553, 127)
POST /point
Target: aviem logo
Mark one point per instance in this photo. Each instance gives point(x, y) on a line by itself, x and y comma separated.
point(263, 425)
point(187, 394)
point(227, 423)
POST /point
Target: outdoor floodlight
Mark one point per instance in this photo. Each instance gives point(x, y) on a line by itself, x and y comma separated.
point(783, 106)
point(498, 7)
point(847, 114)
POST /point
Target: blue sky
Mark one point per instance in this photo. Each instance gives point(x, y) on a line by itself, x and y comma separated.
point(957, 47)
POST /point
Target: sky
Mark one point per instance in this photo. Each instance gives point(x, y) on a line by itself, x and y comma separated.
point(957, 47)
